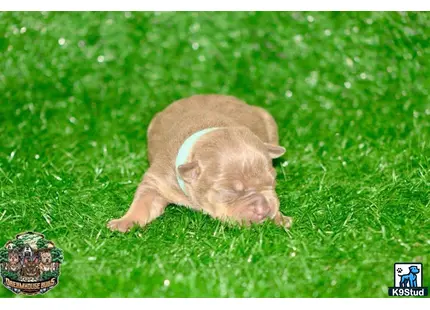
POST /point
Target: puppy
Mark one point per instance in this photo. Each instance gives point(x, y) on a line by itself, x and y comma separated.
point(211, 153)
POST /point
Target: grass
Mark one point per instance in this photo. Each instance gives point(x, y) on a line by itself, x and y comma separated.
point(350, 93)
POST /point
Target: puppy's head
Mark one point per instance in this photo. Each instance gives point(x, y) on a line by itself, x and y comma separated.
point(230, 174)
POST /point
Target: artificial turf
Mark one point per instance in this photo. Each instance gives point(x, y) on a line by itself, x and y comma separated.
point(349, 91)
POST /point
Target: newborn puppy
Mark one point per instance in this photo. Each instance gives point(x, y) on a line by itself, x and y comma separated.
point(211, 153)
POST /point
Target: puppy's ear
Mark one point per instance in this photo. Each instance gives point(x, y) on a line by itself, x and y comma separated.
point(275, 151)
point(189, 171)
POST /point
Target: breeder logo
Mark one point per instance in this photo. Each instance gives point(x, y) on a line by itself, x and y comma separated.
point(408, 280)
point(30, 264)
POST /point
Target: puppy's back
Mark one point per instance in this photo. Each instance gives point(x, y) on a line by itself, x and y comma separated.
point(170, 127)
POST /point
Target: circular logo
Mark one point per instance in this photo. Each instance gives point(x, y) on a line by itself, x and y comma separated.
point(30, 264)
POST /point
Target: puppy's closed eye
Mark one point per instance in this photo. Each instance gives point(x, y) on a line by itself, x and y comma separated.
point(225, 195)
point(229, 192)
point(238, 186)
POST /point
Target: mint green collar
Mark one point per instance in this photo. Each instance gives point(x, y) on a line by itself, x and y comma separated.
point(185, 150)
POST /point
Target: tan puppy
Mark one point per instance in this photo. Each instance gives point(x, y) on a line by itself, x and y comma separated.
point(227, 171)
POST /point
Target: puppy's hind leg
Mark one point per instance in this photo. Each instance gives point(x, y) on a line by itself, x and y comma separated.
point(270, 125)
point(147, 205)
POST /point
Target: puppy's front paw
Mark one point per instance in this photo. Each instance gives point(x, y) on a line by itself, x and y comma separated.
point(284, 221)
point(122, 225)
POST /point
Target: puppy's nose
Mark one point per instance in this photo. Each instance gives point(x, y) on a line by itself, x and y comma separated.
point(260, 205)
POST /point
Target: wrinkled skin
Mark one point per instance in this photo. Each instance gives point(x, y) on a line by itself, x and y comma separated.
point(237, 183)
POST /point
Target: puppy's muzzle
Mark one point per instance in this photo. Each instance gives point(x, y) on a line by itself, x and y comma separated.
point(259, 206)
